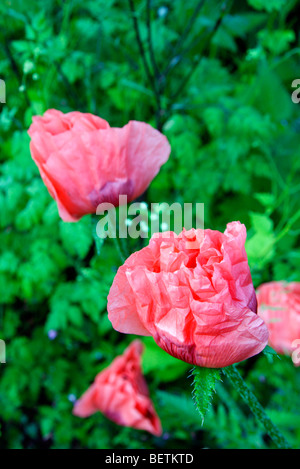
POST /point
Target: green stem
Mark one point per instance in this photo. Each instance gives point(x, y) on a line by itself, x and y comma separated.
point(124, 246)
point(117, 243)
point(98, 241)
point(247, 395)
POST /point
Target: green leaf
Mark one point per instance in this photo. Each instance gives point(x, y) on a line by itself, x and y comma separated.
point(204, 386)
point(270, 353)
point(261, 223)
point(271, 5)
point(261, 246)
point(267, 200)
point(278, 41)
point(76, 237)
point(174, 405)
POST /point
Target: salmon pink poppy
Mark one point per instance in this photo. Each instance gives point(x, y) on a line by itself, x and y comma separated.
point(84, 162)
point(120, 392)
point(279, 307)
point(192, 293)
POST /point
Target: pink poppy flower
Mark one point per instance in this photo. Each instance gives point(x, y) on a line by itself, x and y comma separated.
point(120, 392)
point(84, 162)
point(193, 294)
point(279, 307)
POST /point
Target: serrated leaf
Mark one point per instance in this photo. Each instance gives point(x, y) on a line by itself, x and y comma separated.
point(203, 387)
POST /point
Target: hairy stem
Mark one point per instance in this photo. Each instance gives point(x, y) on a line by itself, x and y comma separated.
point(258, 411)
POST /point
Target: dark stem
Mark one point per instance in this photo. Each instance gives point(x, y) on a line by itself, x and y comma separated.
point(139, 41)
point(156, 79)
point(183, 37)
point(15, 69)
point(152, 78)
point(150, 42)
point(225, 9)
point(72, 93)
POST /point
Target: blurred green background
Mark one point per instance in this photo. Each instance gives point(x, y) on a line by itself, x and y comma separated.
point(218, 83)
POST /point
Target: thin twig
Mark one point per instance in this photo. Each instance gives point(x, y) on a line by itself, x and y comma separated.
point(15, 69)
point(139, 41)
point(184, 35)
point(225, 9)
point(152, 78)
point(72, 93)
point(156, 82)
point(150, 42)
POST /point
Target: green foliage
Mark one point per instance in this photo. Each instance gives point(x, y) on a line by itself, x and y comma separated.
point(225, 105)
point(269, 6)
